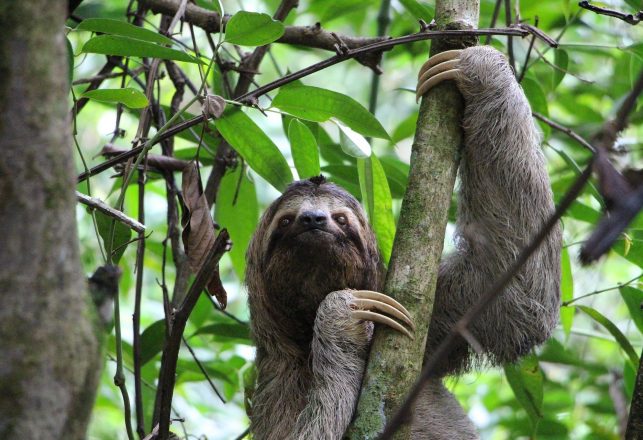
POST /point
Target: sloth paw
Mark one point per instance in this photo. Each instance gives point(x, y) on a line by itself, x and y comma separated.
point(438, 68)
point(372, 306)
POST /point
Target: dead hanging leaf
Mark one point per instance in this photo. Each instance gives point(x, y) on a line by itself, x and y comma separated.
point(198, 230)
point(213, 106)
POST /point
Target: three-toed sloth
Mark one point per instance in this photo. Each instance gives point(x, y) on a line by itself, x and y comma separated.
point(314, 258)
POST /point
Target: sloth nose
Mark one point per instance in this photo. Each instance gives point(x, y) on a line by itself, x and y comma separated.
point(313, 218)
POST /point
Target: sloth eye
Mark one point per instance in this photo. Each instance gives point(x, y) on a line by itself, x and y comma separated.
point(341, 219)
point(284, 221)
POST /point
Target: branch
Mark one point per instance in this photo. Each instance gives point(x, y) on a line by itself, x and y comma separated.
point(635, 422)
point(413, 269)
point(169, 359)
point(568, 131)
point(108, 210)
point(309, 36)
point(628, 18)
point(486, 300)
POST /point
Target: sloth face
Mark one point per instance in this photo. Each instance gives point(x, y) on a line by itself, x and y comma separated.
point(311, 241)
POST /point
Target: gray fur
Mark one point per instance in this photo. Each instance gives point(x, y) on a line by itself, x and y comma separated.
point(310, 352)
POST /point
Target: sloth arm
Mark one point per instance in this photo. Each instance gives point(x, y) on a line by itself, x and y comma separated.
point(504, 199)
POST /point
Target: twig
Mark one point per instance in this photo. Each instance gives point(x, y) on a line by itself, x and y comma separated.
point(568, 131)
point(136, 316)
point(632, 19)
point(510, 41)
point(170, 354)
point(203, 370)
point(596, 292)
point(635, 422)
point(105, 76)
point(101, 206)
point(494, 18)
point(161, 163)
point(531, 46)
point(486, 300)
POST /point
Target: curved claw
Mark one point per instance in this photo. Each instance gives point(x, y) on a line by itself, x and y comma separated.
point(376, 317)
point(438, 68)
point(367, 300)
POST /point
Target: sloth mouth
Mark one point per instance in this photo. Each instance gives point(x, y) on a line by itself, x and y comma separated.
point(314, 231)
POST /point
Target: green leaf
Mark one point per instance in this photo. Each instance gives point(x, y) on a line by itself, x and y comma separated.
point(152, 340)
point(122, 28)
point(526, 381)
point(633, 298)
point(132, 98)
point(376, 196)
point(351, 142)
point(535, 95)
point(227, 331)
point(567, 292)
point(418, 10)
point(252, 29)
point(70, 61)
point(561, 60)
point(319, 105)
point(610, 327)
point(238, 216)
point(303, 146)
point(122, 235)
point(130, 47)
point(255, 147)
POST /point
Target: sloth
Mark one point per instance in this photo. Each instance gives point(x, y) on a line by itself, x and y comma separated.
point(313, 269)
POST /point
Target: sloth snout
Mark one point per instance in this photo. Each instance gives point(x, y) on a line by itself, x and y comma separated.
point(313, 218)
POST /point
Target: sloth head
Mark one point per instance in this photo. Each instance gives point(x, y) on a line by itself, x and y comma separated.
point(313, 240)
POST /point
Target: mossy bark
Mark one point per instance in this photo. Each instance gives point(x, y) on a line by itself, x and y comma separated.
point(395, 361)
point(50, 359)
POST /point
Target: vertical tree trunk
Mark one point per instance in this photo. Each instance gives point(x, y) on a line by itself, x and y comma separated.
point(49, 361)
point(395, 362)
point(635, 421)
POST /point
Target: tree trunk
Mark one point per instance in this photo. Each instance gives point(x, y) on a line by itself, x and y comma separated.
point(50, 358)
point(395, 362)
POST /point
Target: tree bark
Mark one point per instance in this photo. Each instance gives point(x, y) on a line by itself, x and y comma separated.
point(50, 359)
point(635, 422)
point(395, 362)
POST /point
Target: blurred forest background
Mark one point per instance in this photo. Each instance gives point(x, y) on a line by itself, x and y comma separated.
point(578, 385)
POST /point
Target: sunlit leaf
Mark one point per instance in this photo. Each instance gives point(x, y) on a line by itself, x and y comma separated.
point(303, 147)
point(122, 235)
point(132, 98)
point(252, 29)
point(566, 292)
point(561, 60)
point(258, 150)
point(122, 28)
point(131, 47)
point(376, 197)
point(227, 331)
point(319, 105)
point(352, 143)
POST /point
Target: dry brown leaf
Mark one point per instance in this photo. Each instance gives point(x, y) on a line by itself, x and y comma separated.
point(198, 229)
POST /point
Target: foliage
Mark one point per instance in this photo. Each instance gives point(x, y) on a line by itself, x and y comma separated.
point(564, 390)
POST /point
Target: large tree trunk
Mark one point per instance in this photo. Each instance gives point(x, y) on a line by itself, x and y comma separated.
point(49, 351)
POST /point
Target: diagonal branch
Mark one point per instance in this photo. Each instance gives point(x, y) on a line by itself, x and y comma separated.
point(632, 19)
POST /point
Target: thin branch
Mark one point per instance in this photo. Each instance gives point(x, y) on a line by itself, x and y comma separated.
point(596, 292)
point(485, 301)
point(494, 19)
point(568, 131)
point(510, 41)
point(101, 206)
point(105, 76)
point(531, 46)
point(136, 316)
point(632, 19)
point(203, 370)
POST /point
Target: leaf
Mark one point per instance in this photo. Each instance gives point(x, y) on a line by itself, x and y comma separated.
point(122, 28)
point(376, 196)
point(567, 292)
point(122, 235)
point(152, 340)
point(253, 29)
point(561, 60)
point(418, 10)
point(238, 216)
point(610, 327)
point(70, 61)
point(132, 98)
point(255, 147)
point(351, 142)
point(130, 47)
point(526, 381)
point(535, 95)
point(227, 331)
point(319, 105)
point(633, 298)
point(198, 230)
point(303, 146)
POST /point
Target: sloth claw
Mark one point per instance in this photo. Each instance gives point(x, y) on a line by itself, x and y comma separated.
point(369, 303)
point(436, 69)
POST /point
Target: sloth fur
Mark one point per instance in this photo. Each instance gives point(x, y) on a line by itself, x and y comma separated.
point(314, 244)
